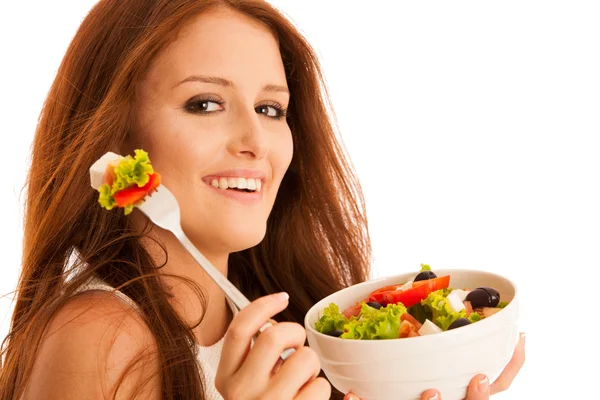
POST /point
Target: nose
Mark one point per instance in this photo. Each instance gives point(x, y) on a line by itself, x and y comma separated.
point(250, 139)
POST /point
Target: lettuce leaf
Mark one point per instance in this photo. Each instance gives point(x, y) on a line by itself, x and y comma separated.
point(132, 171)
point(425, 267)
point(474, 317)
point(442, 314)
point(331, 320)
point(106, 198)
point(375, 324)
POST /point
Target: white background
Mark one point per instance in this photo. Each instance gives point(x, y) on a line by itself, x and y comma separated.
point(473, 127)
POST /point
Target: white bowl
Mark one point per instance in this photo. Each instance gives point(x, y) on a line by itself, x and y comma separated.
point(401, 369)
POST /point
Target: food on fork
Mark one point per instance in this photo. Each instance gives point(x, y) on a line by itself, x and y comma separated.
point(124, 182)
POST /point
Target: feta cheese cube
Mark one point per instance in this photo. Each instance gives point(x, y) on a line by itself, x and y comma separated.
point(429, 328)
point(455, 302)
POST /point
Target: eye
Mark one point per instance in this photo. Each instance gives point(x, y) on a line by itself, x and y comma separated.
point(273, 110)
point(204, 106)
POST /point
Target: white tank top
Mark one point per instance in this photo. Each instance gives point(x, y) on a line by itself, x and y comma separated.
point(208, 356)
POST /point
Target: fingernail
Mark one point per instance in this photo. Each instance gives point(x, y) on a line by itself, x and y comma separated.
point(483, 384)
point(265, 326)
point(352, 397)
point(522, 336)
point(281, 297)
point(434, 397)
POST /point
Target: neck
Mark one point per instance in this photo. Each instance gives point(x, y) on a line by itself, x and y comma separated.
point(185, 301)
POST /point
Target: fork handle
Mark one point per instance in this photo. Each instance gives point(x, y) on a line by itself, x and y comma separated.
point(230, 290)
point(233, 293)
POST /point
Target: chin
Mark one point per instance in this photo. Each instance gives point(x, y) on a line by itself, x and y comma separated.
point(223, 239)
point(238, 241)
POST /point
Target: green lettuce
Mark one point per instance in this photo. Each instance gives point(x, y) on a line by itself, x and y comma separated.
point(130, 171)
point(331, 320)
point(502, 304)
point(474, 317)
point(441, 313)
point(425, 267)
point(375, 324)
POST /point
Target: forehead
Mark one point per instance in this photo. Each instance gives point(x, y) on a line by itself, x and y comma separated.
point(224, 44)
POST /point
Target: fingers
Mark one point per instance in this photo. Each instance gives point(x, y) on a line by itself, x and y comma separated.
point(243, 327)
point(479, 388)
point(264, 356)
point(512, 368)
point(316, 389)
point(431, 394)
point(303, 366)
point(351, 396)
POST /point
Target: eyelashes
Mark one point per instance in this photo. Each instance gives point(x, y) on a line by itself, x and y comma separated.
point(212, 105)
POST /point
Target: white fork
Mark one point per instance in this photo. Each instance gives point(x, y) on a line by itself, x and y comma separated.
point(163, 209)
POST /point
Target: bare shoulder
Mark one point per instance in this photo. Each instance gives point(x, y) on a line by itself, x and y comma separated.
point(88, 345)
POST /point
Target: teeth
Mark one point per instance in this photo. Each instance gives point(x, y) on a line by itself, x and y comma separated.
point(237, 183)
point(223, 183)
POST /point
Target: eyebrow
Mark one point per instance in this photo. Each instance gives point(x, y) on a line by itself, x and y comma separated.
point(215, 80)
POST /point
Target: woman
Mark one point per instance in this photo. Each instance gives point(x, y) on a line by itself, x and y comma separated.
point(220, 94)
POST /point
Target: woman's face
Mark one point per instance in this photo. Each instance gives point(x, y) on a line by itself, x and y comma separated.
point(211, 112)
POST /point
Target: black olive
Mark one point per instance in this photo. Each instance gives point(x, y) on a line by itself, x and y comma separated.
point(425, 275)
point(374, 304)
point(483, 297)
point(459, 322)
point(494, 295)
point(336, 333)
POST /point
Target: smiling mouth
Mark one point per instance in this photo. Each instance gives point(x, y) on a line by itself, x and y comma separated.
point(242, 185)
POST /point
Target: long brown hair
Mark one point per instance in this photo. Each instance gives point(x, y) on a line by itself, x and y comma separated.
point(317, 231)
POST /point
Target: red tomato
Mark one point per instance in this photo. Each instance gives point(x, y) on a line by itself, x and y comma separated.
point(135, 194)
point(377, 295)
point(408, 297)
point(411, 319)
point(407, 330)
point(109, 175)
point(436, 283)
point(354, 310)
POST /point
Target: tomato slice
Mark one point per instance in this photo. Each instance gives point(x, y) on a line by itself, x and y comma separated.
point(408, 297)
point(354, 310)
point(407, 317)
point(436, 283)
point(407, 329)
point(377, 295)
point(135, 194)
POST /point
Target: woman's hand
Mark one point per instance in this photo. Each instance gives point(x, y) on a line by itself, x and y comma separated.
point(257, 373)
point(480, 388)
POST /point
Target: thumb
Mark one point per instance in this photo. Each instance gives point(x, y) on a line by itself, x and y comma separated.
point(351, 396)
point(431, 395)
point(479, 388)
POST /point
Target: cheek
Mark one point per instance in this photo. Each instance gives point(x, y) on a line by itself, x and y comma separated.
point(181, 150)
point(282, 154)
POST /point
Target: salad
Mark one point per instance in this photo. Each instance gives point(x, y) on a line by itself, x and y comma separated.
point(123, 182)
point(426, 305)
